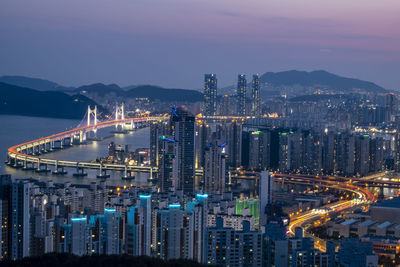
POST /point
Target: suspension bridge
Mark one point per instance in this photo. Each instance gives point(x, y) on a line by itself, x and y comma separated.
point(29, 155)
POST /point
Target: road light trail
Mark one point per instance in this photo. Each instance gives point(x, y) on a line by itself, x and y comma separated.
point(364, 196)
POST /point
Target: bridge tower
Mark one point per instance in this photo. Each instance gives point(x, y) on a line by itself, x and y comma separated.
point(92, 113)
point(91, 120)
point(119, 115)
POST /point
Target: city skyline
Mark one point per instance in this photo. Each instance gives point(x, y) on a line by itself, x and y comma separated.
point(200, 133)
point(104, 42)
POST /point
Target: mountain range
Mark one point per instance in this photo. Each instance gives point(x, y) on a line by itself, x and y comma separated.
point(37, 97)
point(33, 83)
point(150, 91)
point(318, 78)
point(16, 100)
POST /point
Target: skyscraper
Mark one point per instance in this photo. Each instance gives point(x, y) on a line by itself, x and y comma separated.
point(328, 152)
point(210, 94)
point(202, 136)
point(234, 143)
point(5, 196)
point(361, 163)
point(227, 247)
point(138, 228)
point(182, 126)
point(157, 129)
point(199, 208)
point(390, 106)
point(75, 237)
point(259, 150)
point(166, 161)
point(276, 244)
point(175, 233)
point(107, 232)
point(265, 195)
point(255, 96)
point(241, 94)
point(20, 233)
point(214, 168)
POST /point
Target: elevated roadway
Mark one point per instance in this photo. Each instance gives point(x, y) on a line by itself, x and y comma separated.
point(29, 155)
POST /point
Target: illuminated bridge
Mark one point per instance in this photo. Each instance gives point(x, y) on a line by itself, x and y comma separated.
point(27, 155)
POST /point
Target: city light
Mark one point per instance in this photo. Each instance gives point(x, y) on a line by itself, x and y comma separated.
point(83, 219)
point(109, 210)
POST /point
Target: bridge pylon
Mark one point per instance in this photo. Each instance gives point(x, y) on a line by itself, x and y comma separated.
point(119, 114)
point(92, 113)
point(92, 118)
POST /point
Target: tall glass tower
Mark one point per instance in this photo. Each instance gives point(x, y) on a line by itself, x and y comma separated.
point(255, 96)
point(241, 94)
point(182, 124)
point(210, 94)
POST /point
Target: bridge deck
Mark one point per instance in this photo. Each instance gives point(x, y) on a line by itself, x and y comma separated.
point(19, 152)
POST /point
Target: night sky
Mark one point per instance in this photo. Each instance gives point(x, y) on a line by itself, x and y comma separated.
point(172, 43)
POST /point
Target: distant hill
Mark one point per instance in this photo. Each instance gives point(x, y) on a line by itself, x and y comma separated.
point(17, 100)
point(150, 91)
point(165, 94)
point(99, 88)
point(318, 78)
point(317, 97)
point(33, 83)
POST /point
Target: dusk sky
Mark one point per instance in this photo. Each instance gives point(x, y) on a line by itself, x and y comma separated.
point(172, 43)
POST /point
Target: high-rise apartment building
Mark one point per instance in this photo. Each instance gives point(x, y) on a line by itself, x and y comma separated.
point(234, 144)
point(265, 195)
point(107, 229)
point(259, 150)
point(76, 237)
point(20, 220)
point(138, 228)
point(182, 126)
point(390, 107)
point(157, 129)
point(227, 247)
point(202, 136)
point(199, 208)
point(6, 227)
point(361, 163)
point(289, 149)
point(328, 151)
point(344, 154)
point(276, 244)
point(214, 167)
point(241, 94)
point(228, 105)
point(166, 162)
point(210, 94)
point(255, 96)
point(175, 233)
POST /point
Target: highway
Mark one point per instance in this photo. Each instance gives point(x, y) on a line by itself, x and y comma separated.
point(364, 196)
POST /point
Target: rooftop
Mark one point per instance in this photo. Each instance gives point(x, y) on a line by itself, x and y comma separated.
point(350, 221)
point(367, 223)
point(384, 225)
